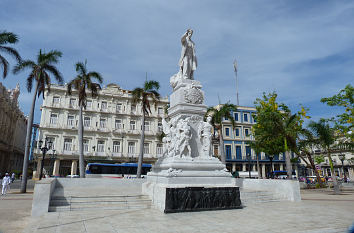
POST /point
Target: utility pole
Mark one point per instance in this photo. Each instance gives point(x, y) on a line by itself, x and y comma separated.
point(235, 70)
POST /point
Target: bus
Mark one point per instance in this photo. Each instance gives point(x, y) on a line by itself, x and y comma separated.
point(119, 170)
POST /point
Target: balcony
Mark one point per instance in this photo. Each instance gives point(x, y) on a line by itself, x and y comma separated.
point(117, 154)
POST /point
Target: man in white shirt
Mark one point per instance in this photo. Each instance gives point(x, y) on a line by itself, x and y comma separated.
point(5, 183)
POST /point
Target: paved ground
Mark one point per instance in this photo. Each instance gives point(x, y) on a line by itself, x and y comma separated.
point(15, 208)
point(319, 212)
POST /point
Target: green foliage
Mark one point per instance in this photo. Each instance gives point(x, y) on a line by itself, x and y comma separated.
point(145, 94)
point(343, 122)
point(83, 81)
point(40, 70)
point(7, 38)
point(221, 112)
point(319, 159)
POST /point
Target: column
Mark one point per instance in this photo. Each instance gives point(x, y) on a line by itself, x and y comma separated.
point(281, 167)
point(74, 167)
point(351, 173)
point(244, 167)
point(56, 167)
point(273, 166)
point(233, 167)
point(263, 171)
point(254, 167)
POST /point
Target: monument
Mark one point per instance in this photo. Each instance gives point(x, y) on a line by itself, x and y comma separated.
point(187, 177)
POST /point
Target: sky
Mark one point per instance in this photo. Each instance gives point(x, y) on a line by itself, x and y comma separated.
point(302, 50)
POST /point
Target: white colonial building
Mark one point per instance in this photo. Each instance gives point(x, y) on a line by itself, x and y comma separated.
point(112, 129)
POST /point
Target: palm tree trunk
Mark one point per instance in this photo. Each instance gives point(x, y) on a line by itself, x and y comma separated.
point(141, 153)
point(28, 141)
point(315, 170)
point(334, 177)
point(222, 152)
point(289, 168)
point(81, 149)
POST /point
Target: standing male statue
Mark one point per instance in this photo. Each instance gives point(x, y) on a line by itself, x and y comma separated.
point(188, 60)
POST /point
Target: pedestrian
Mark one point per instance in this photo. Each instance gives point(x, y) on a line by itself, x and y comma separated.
point(5, 183)
point(12, 177)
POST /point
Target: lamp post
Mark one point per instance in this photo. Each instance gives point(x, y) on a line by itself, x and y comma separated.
point(342, 158)
point(249, 164)
point(44, 150)
point(53, 157)
point(270, 157)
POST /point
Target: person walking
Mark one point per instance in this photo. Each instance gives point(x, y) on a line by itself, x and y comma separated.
point(5, 183)
point(12, 177)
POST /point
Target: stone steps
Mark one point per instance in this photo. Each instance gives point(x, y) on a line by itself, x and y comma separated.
point(104, 202)
point(256, 196)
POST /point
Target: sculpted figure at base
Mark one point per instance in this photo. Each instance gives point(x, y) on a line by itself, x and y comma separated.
point(188, 60)
point(183, 138)
point(205, 133)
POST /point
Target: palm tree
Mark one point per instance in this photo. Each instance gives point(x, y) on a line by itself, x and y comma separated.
point(325, 138)
point(40, 71)
point(82, 81)
point(8, 38)
point(218, 114)
point(144, 95)
point(257, 147)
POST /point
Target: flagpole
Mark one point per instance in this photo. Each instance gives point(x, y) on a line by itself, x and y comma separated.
point(235, 70)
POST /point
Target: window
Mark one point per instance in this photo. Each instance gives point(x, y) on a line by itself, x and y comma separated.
point(70, 121)
point(247, 133)
point(102, 123)
point(159, 126)
point(72, 103)
point(245, 117)
point(118, 123)
point(119, 108)
point(132, 125)
point(159, 149)
point(248, 151)
point(131, 148)
point(227, 132)
point(116, 146)
point(237, 132)
point(146, 148)
point(133, 109)
point(56, 100)
point(87, 121)
point(238, 152)
point(86, 145)
point(160, 111)
point(104, 106)
point(52, 139)
point(236, 116)
point(228, 151)
point(67, 144)
point(226, 119)
point(88, 104)
point(147, 125)
point(100, 146)
point(53, 119)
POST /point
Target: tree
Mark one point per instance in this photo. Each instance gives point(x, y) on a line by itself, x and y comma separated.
point(344, 122)
point(8, 38)
point(41, 72)
point(144, 95)
point(218, 114)
point(325, 138)
point(257, 149)
point(83, 81)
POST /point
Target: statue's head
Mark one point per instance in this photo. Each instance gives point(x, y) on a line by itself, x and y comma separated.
point(189, 32)
point(209, 119)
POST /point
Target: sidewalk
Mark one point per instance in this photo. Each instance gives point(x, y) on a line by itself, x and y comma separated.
point(15, 210)
point(319, 212)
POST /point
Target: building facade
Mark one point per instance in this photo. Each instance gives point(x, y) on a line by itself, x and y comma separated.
point(112, 129)
point(12, 131)
point(236, 145)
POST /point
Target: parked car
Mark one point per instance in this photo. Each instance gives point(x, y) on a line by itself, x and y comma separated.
point(72, 176)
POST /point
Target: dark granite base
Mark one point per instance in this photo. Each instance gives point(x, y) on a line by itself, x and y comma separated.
point(201, 199)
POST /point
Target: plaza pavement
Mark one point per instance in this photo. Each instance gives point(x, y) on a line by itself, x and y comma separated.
point(319, 212)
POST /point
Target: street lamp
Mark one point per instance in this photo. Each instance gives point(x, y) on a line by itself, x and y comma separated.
point(249, 164)
point(53, 157)
point(44, 150)
point(342, 158)
point(270, 157)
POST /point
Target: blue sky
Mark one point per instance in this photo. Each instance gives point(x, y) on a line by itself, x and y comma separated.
point(303, 50)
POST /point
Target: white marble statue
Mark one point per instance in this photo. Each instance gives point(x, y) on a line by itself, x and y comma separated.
point(205, 135)
point(183, 138)
point(188, 60)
